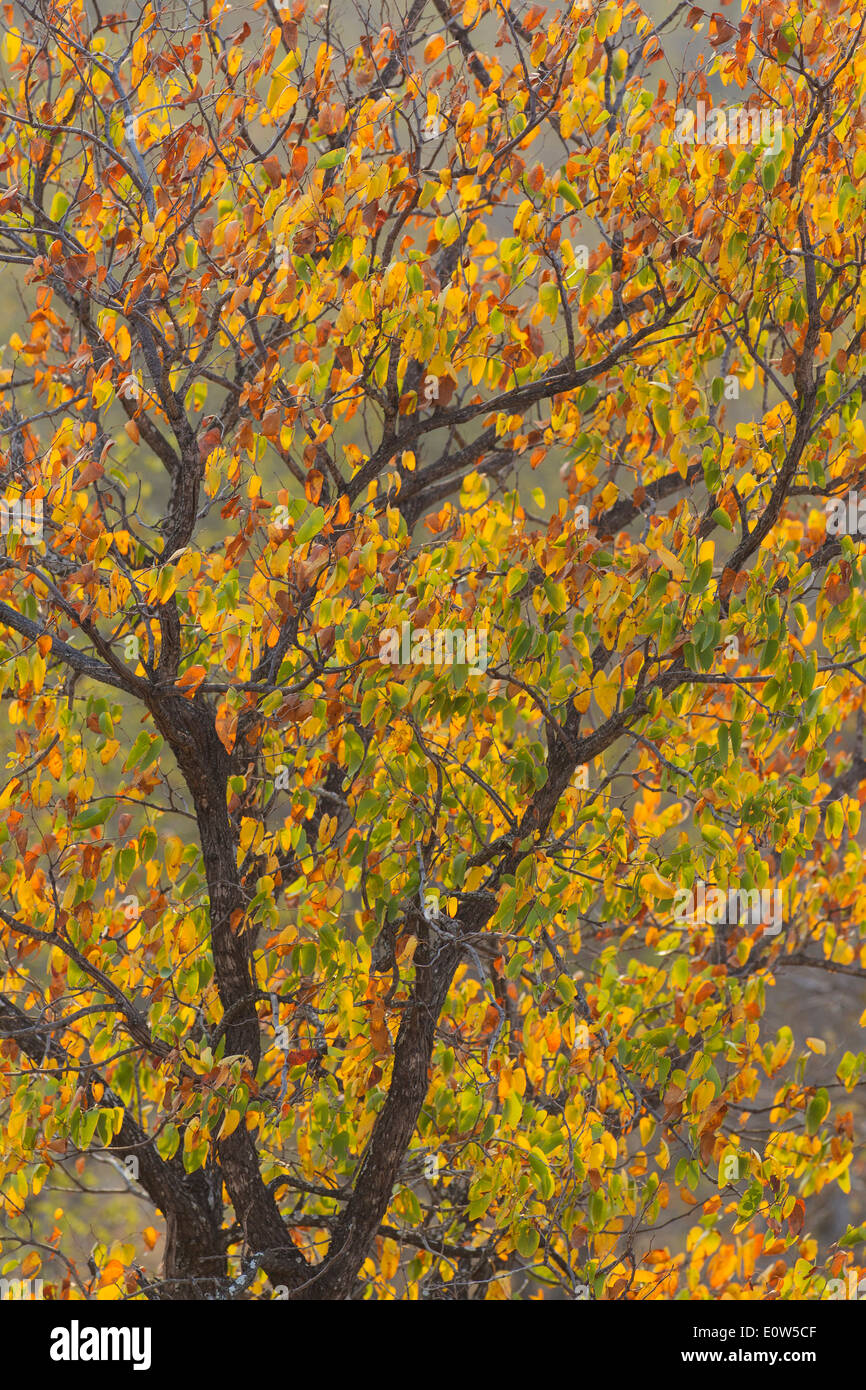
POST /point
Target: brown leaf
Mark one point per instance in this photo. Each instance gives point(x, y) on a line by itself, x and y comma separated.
point(89, 473)
point(208, 442)
point(271, 421)
point(447, 387)
point(721, 30)
point(712, 1117)
point(727, 583)
point(797, 1217)
point(673, 1100)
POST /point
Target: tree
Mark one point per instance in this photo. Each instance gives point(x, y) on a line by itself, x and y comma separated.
point(399, 855)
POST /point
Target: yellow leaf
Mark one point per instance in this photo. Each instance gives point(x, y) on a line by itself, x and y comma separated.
point(187, 937)
point(673, 564)
point(652, 885)
point(390, 1258)
point(108, 752)
point(817, 1045)
point(163, 585)
point(101, 393)
point(229, 1124)
point(281, 94)
point(605, 688)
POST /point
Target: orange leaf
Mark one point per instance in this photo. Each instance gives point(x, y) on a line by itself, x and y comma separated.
point(379, 1035)
point(190, 681)
point(227, 726)
point(300, 1056)
point(434, 48)
point(233, 650)
point(534, 17)
point(112, 1272)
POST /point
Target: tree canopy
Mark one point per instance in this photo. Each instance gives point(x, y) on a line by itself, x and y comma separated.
point(435, 686)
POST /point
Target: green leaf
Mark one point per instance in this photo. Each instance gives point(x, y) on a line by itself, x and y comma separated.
point(566, 989)
point(834, 820)
point(144, 743)
point(331, 159)
point(816, 1111)
point(167, 1141)
point(526, 1241)
point(769, 175)
point(542, 1176)
point(311, 527)
point(368, 705)
point(98, 815)
point(569, 194)
point(515, 579)
point(548, 298)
